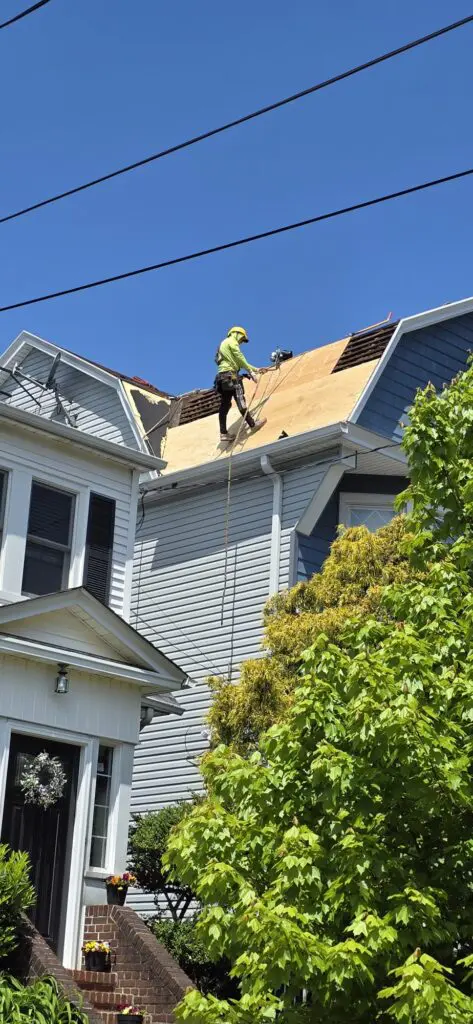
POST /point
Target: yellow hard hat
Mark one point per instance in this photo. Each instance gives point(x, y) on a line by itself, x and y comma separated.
point(239, 330)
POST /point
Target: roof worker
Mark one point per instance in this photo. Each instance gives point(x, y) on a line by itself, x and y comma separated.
point(229, 384)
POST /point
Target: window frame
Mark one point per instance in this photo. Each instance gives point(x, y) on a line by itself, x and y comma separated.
point(3, 502)
point(112, 823)
point(52, 545)
point(352, 499)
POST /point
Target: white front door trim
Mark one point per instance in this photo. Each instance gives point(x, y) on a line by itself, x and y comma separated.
point(71, 928)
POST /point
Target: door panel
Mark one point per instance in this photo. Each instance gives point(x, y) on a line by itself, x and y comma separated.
point(43, 834)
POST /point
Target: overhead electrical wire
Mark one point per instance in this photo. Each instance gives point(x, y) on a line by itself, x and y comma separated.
point(237, 122)
point(342, 211)
point(24, 14)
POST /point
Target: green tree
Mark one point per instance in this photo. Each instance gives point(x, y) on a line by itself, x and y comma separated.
point(16, 896)
point(335, 864)
point(360, 564)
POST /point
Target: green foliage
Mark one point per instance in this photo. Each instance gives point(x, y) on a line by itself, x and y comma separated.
point(41, 1003)
point(181, 939)
point(359, 565)
point(335, 864)
point(16, 895)
point(148, 839)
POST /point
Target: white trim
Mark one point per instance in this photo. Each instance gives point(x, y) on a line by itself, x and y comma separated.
point(322, 495)
point(114, 808)
point(15, 528)
point(5, 731)
point(114, 625)
point(78, 363)
point(361, 438)
point(128, 580)
point(79, 535)
point(107, 449)
point(410, 323)
point(88, 663)
point(70, 931)
point(354, 500)
point(51, 349)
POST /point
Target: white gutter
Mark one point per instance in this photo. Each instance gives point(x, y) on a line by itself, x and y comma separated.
point(107, 449)
point(301, 444)
point(275, 524)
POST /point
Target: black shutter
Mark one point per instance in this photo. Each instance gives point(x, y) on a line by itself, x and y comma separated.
point(99, 547)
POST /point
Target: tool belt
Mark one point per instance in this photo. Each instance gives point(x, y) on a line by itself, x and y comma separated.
point(225, 382)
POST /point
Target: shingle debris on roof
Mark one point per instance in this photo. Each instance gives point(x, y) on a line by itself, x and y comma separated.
point(365, 346)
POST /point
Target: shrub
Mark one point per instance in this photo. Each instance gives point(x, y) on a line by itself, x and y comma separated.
point(16, 895)
point(41, 1002)
point(181, 940)
point(148, 839)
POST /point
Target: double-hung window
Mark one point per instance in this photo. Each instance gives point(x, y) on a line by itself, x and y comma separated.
point(48, 542)
point(370, 510)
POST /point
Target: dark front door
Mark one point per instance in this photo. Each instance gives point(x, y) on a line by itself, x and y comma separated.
point(43, 834)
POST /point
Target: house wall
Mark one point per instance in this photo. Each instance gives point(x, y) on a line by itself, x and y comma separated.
point(179, 591)
point(436, 353)
point(26, 457)
point(96, 406)
point(312, 551)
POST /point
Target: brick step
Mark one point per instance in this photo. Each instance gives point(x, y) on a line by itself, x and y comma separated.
point(111, 1000)
point(100, 981)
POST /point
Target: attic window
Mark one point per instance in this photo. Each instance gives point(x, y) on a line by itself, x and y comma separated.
point(48, 542)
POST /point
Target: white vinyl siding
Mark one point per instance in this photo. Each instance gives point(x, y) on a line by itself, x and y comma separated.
point(96, 406)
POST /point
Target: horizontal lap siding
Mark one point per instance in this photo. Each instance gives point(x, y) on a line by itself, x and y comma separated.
point(435, 354)
point(179, 574)
point(96, 406)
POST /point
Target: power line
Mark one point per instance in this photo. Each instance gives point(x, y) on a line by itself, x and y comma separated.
point(193, 140)
point(24, 14)
point(241, 241)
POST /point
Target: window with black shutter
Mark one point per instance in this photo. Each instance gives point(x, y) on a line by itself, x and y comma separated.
point(99, 546)
point(48, 542)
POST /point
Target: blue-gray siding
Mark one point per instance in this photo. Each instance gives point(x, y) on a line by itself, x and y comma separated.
point(312, 551)
point(435, 354)
point(96, 406)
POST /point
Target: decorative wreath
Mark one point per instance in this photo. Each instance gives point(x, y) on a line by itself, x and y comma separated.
point(43, 782)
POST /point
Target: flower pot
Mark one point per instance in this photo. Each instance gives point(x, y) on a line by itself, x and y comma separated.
point(115, 896)
point(97, 960)
point(129, 1018)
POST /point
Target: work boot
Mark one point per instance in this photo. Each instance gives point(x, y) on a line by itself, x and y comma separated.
point(257, 425)
point(224, 438)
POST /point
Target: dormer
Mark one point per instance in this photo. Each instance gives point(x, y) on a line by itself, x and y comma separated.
point(71, 456)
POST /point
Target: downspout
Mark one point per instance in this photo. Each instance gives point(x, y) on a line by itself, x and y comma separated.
point(275, 524)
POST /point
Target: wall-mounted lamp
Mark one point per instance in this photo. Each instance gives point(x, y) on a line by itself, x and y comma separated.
point(62, 679)
point(146, 715)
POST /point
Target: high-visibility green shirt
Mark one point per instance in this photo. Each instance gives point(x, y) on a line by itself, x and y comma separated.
point(231, 358)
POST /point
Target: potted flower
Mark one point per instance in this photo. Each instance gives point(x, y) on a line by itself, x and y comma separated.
point(97, 956)
point(117, 887)
point(127, 1014)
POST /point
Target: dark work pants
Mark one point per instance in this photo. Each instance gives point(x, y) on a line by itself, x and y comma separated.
point(229, 389)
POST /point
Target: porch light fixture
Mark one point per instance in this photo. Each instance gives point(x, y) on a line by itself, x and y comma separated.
point(62, 679)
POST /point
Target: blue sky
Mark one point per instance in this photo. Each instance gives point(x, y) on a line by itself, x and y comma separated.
point(90, 85)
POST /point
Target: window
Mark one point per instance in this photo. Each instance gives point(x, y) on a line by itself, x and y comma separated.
point(370, 510)
point(48, 542)
point(103, 785)
point(99, 546)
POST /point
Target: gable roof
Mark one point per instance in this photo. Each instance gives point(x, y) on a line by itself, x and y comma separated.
point(132, 656)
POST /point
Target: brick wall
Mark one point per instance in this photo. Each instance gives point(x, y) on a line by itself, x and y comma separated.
point(142, 965)
point(36, 960)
